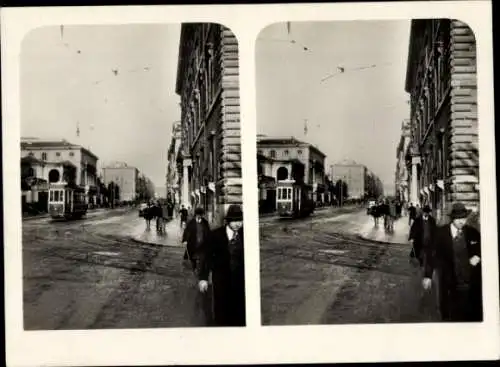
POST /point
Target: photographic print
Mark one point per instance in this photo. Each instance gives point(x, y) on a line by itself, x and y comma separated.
point(368, 164)
point(290, 181)
point(131, 187)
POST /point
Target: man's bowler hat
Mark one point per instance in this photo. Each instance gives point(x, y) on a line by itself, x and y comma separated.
point(458, 210)
point(234, 213)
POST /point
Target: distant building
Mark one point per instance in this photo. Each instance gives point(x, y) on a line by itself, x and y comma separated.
point(360, 181)
point(402, 183)
point(283, 158)
point(443, 161)
point(58, 161)
point(208, 85)
point(126, 177)
point(174, 167)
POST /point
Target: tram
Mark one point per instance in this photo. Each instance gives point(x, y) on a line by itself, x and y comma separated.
point(294, 200)
point(67, 202)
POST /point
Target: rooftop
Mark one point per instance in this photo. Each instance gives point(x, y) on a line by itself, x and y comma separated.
point(286, 140)
point(36, 143)
point(347, 162)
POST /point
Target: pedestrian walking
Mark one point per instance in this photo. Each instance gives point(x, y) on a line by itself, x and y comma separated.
point(148, 215)
point(223, 256)
point(158, 214)
point(385, 212)
point(412, 214)
point(196, 233)
point(183, 213)
point(455, 255)
point(391, 217)
point(164, 218)
point(422, 232)
point(399, 206)
point(375, 213)
point(170, 207)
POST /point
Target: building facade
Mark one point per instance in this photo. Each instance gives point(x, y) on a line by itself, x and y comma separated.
point(443, 159)
point(361, 182)
point(282, 158)
point(60, 161)
point(402, 183)
point(125, 177)
point(208, 84)
point(173, 177)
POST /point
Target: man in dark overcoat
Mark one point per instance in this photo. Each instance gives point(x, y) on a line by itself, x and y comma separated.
point(455, 254)
point(422, 232)
point(197, 232)
point(223, 256)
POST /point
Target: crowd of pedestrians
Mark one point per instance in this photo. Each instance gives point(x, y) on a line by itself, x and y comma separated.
point(154, 210)
point(387, 209)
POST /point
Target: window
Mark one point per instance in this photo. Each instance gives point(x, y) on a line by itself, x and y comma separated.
point(44, 156)
point(71, 154)
point(31, 154)
point(58, 154)
point(259, 152)
point(286, 152)
point(273, 153)
point(299, 152)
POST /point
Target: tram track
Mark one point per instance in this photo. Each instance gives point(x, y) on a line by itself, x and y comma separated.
point(334, 249)
point(110, 250)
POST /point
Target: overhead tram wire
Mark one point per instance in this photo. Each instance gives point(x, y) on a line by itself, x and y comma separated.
point(342, 70)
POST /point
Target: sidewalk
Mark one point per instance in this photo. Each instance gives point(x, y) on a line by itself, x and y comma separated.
point(368, 231)
point(172, 237)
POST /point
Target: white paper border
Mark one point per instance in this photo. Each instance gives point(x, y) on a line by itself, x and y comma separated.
point(253, 344)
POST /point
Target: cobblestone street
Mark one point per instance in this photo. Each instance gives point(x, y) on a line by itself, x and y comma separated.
point(93, 273)
point(320, 270)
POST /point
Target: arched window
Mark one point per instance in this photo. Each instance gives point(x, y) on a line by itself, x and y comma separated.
point(54, 175)
point(273, 153)
point(282, 174)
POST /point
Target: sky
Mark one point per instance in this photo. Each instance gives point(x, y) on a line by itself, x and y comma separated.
point(68, 80)
point(355, 114)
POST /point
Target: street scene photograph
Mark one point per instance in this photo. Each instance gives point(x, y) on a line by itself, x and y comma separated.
point(368, 172)
point(131, 180)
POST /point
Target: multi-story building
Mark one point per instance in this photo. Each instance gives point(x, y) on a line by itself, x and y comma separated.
point(126, 177)
point(60, 161)
point(401, 175)
point(208, 84)
point(353, 174)
point(173, 173)
point(443, 158)
point(361, 182)
point(288, 158)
